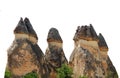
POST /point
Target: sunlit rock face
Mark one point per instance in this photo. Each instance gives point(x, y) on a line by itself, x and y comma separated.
point(24, 55)
point(54, 54)
point(89, 57)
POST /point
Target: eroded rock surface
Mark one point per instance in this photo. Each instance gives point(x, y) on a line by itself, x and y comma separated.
point(25, 56)
point(89, 57)
point(54, 54)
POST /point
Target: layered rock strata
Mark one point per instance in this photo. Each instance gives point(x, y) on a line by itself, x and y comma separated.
point(25, 56)
point(89, 57)
point(54, 54)
point(25, 30)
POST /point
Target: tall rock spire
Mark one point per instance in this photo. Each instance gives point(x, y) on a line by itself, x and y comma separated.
point(25, 56)
point(54, 54)
point(89, 57)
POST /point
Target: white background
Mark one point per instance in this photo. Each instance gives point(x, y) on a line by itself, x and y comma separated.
point(104, 15)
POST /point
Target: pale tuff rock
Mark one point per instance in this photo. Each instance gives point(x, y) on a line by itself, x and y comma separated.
point(54, 54)
point(89, 57)
point(25, 56)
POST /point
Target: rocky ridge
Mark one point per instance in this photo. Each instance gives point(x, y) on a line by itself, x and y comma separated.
point(89, 57)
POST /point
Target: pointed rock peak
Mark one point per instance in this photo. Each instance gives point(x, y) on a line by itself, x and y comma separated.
point(21, 28)
point(86, 33)
point(93, 32)
point(54, 36)
point(102, 43)
point(21, 19)
point(30, 28)
point(26, 19)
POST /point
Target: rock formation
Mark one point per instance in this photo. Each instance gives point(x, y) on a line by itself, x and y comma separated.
point(24, 29)
point(25, 56)
point(54, 54)
point(89, 57)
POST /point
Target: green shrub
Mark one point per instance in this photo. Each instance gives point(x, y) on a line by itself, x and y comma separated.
point(31, 75)
point(64, 72)
point(7, 74)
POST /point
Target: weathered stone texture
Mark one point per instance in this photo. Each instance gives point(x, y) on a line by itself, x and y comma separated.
point(54, 54)
point(25, 56)
point(89, 57)
point(85, 32)
point(53, 36)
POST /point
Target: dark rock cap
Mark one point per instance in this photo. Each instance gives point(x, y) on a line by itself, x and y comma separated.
point(93, 32)
point(30, 28)
point(102, 43)
point(25, 27)
point(85, 32)
point(21, 27)
point(53, 36)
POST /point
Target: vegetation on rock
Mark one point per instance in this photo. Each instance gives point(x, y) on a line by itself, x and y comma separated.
point(7, 74)
point(64, 71)
point(31, 75)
